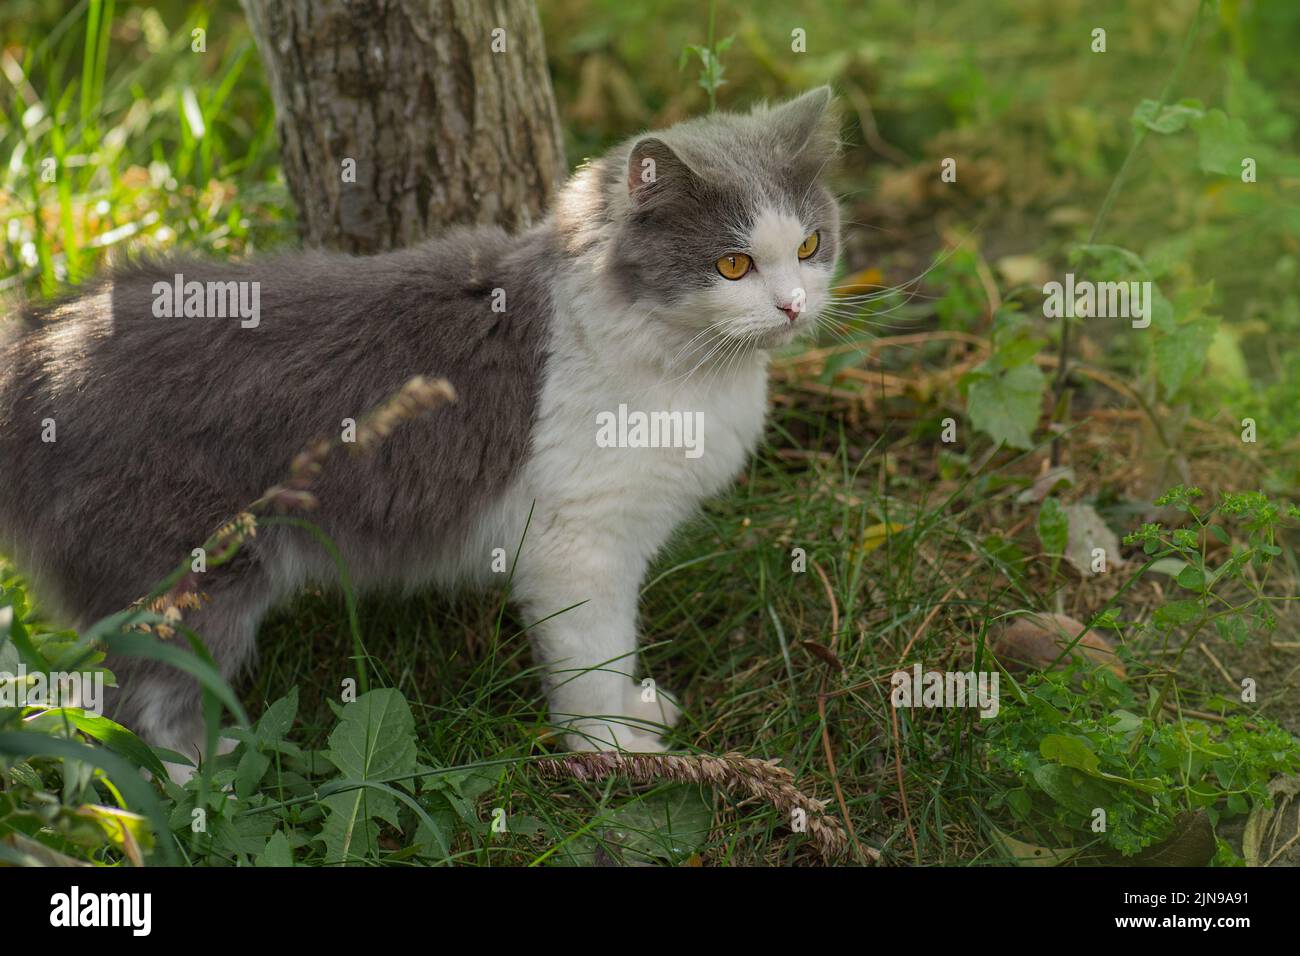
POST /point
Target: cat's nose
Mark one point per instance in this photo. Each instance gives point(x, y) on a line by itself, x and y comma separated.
point(790, 311)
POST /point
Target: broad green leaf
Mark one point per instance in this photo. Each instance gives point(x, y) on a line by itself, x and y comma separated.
point(1006, 405)
point(374, 742)
point(1169, 566)
point(349, 833)
point(241, 833)
point(277, 852)
point(433, 838)
point(1069, 752)
point(1181, 356)
point(1192, 579)
point(1125, 722)
point(1018, 351)
point(1183, 335)
point(1173, 614)
point(1169, 118)
point(1223, 143)
point(252, 765)
point(278, 718)
point(1108, 263)
point(1232, 628)
point(108, 732)
point(670, 825)
point(375, 739)
point(1073, 789)
point(666, 826)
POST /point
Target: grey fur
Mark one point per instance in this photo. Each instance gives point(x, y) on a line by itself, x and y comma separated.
point(166, 427)
point(710, 174)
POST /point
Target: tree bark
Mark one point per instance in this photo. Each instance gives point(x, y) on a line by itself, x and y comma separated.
point(442, 127)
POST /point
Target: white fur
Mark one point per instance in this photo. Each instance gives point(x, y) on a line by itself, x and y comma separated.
point(600, 515)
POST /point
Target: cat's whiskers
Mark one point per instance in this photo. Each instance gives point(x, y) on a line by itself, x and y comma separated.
point(711, 327)
point(712, 373)
point(848, 308)
point(734, 349)
point(711, 346)
point(856, 318)
point(911, 285)
point(825, 323)
point(746, 349)
point(865, 318)
point(884, 293)
point(858, 222)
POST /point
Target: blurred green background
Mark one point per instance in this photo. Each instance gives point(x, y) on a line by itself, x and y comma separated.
point(161, 146)
point(158, 148)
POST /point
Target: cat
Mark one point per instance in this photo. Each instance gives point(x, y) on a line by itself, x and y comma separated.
point(657, 284)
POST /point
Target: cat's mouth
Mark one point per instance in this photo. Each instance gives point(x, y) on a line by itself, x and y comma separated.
point(777, 335)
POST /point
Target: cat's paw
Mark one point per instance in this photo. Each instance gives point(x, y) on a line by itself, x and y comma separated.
point(599, 735)
point(659, 711)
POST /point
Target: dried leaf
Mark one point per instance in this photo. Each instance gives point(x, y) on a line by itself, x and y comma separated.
point(878, 534)
point(1087, 533)
point(822, 653)
point(1034, 641)
point(1029, 854)
point(1191, 844)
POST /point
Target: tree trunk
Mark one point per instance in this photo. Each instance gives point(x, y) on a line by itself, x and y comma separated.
point(445, 118)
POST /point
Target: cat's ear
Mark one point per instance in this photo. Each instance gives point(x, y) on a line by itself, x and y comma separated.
point(807, 126)
point(655, 172)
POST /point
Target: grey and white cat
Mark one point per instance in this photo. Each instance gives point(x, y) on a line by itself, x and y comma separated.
point(661, 279)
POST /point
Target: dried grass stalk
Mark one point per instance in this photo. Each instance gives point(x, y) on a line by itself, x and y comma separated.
point(747, 776)
point(181, 593)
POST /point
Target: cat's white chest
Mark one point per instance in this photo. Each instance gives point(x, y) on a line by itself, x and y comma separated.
point(620, 447)
point(625, 451)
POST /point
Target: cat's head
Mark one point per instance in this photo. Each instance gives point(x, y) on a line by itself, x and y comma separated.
point(722, 226)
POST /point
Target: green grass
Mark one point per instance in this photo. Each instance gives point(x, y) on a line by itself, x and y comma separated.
point(917, 550)
point(154, 146)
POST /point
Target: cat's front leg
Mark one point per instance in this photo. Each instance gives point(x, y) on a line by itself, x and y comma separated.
point(581, 602)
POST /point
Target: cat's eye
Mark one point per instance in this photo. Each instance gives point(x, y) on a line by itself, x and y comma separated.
point(734, 265)
point(809, 245)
